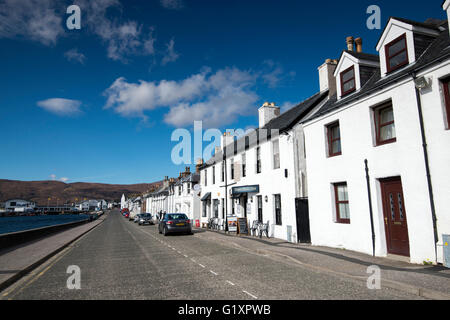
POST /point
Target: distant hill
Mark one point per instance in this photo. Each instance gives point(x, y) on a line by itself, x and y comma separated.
point(40, 191)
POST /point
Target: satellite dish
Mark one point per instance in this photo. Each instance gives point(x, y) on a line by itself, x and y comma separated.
point(197, 187)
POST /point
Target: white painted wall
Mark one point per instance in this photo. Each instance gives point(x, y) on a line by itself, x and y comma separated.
point(403, 158)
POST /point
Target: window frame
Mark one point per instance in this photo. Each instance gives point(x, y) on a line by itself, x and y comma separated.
point(388, 57)
point(278, 212)
point(244, 165)
point(446, 91)
point(343, 93)
point(337, 202)
point(331, 140)
point(258, 160)
point(232, 169)
point(274, 154)
point(378, 125)
point(214, 175)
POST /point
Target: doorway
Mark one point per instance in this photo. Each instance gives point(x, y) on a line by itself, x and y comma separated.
point(395, 222)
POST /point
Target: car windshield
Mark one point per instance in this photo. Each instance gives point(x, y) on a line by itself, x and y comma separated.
point(181, 216)
point(147, 215)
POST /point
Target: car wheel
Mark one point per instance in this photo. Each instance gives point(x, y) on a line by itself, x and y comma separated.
point(159, 230)
point(165, 232)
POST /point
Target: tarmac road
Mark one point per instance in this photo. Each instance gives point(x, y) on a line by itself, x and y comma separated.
point(122, 260)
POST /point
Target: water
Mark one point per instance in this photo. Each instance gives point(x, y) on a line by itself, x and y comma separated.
point(13, 224)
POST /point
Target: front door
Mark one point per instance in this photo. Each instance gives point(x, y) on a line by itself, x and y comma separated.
point(260, 208)
point(395, 222)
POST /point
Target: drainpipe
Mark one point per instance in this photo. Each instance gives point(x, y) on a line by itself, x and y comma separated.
point(226, 192)
point(370, 206)
point(427, 165)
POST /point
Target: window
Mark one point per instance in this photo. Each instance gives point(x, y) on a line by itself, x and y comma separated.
point(396, 53)
point(206, 177)
point(276, 154)
point(277, 198)
point(204, 209)
point(232, 168)
point(446, 85)
point(334, 140)
point(260, 209)
point(216, 208)
point(384, 124)
point(189, 188)
point(223, 208)
point(258, 160)
point(244, 173)
point(223, 172)
point(214, 174)
point(348, 81)
point(342, 206)
point(179, 190)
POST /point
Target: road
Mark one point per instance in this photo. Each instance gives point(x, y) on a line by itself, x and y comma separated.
point(122, 260)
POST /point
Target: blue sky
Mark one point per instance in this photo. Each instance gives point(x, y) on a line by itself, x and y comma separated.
point(99, 104)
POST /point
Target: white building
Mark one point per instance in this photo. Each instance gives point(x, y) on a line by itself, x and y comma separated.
point(257, 178)
point(122, 202)
point(19, 205)
point(393, 110)
point(185, 197)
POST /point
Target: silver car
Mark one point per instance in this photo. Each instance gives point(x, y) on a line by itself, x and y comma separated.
point(145, 219)
point(137, 217)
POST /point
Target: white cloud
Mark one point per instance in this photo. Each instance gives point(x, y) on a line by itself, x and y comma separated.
point(64, 179)
point(172, 4)
point(123, 39)
point(74, 55)
point(170, 54)
point(273, 73)
point(61, 107)
point(38, 20)
point(216, 99)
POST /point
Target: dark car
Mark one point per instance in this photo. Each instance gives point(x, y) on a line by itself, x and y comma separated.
point(145, 218)
point(175, 223)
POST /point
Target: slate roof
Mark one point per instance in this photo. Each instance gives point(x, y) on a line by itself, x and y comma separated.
point(437, 51)
point(363, 56)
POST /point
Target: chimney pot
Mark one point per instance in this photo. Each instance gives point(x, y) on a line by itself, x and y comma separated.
point(350, 43)
point(358, 42)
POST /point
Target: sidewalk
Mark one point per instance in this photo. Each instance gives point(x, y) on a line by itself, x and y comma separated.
point(427, 281)
point(17, 261)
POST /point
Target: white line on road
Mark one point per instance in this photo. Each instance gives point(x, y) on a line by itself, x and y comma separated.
point(254, 297)
point(229, 282)
point(201, 265)
point(185, 256)
point(213, 272)
point(193, 260)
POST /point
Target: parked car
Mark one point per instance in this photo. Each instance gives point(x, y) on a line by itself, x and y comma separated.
point(127, 214)
point(137, 217)
point(175, 223)
point(145, 219)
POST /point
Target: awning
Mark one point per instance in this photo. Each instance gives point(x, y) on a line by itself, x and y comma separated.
point(207, 196)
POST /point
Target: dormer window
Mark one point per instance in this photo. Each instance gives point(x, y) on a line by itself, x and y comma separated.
point(348, 81)
point(396, 53)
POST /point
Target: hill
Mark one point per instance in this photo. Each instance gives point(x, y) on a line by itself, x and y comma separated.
point(40, 191)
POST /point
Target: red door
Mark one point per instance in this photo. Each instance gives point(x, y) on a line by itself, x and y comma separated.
point(395, 222)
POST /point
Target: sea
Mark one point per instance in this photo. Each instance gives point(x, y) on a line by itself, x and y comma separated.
point(22, 223)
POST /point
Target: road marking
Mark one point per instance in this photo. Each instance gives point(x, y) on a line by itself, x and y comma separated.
point(213, 272)
point(254, 297)
point(231, 283)
point(193, 260)
point(185, 256)
point(201, 265)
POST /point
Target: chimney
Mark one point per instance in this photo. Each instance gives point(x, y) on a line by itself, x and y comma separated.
point(350, 43)
point(198, 165)
point(358, 42)
point(216, 150)
point(267, 112)
point(327, 81)
point(227, 138)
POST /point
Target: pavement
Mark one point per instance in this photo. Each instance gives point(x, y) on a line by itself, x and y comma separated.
point(122, 260)
point(17, 261)
point(429, 281)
